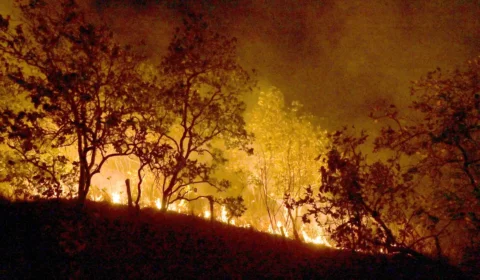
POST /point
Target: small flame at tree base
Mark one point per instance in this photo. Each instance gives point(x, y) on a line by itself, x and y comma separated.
point(158, 203)
point(320, 239)
point(116, 198)
point(207, 214)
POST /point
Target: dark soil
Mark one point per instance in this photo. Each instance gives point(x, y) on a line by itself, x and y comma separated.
point(55, 240)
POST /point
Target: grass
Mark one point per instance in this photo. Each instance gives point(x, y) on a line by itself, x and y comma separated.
point(53, 240)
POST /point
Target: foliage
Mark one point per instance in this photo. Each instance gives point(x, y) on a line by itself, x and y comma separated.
point(425, 192)
point(285, 146)
point(203, 85)
point(78, 84)
point(441, 142)
point(235, 206)
point(363, 206)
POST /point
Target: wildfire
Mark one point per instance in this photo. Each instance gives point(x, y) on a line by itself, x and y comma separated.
point(116, 197)
point(223, 216)
point(320, 239)
point(207, 214)
point(280, 230)
point(180, 207)
point(158, 203)
point(314, 236)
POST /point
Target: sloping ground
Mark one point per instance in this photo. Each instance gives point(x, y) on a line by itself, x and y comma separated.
point(51, 240)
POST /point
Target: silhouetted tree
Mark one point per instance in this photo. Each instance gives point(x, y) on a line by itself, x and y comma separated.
point(441, 141)
point(234, 206)
point(79, 85)
point(363, 206)
point(203, 85)
point(425, 192)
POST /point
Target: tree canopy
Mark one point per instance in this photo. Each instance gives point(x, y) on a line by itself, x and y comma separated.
point(79, 83)
point(203, 85)
point(87, 99)
point(426, 191)
point(283, 160)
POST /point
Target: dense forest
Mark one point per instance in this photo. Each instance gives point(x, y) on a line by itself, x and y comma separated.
point(84, 117)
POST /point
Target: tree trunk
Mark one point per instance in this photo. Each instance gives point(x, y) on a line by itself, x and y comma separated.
point(139, 195)
point(212, 214)
point(294, 226)
point(139, 187)
point(82, 196)
point(83, 183)
point(82, 191)
point(129, 194)
point(164, 202)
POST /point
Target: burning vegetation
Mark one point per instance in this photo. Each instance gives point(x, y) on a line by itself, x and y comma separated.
point(85, 118)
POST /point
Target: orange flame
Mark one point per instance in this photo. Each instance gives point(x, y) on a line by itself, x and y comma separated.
point(116, 198)
point(158, 203)
point(207, 214)
point(315, 236)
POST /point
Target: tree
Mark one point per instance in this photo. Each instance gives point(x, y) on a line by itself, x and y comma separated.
point(203, 85)
point(235, 207)
point(426, 190)
point(441, 142)
point(363, 206)
point(285, 146)
point(79, 87)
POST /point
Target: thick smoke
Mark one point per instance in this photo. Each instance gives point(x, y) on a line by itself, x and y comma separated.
point(342, 58)
point(338, 58)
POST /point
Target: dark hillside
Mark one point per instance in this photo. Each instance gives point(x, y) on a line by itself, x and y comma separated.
point(50, 240)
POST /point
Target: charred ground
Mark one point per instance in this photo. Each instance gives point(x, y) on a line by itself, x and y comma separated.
point(53, 239)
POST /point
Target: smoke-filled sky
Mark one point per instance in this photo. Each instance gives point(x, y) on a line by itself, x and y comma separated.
point(338, 58)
